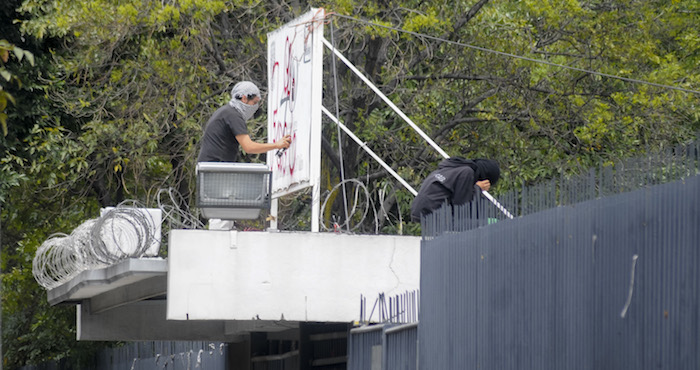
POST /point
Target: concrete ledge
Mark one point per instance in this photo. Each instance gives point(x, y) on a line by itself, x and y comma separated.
point(91, 283)
point(145, 320)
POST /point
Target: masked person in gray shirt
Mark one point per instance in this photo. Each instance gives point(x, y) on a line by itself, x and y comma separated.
point(456, 181)
point(226, 130)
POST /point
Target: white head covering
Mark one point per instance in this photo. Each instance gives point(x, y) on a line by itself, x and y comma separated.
point(241, 89)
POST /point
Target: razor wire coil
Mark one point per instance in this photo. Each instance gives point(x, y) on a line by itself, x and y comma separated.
point(125, 231)
point(119, 233)
point(56, 261)
point(122, 233)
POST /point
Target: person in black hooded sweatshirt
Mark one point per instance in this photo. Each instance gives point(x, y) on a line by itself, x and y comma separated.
point(456, 181)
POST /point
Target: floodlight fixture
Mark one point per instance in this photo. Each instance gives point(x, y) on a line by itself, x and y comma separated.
point(233, 191)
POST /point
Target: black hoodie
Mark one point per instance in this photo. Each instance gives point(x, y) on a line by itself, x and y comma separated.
point(454, 182)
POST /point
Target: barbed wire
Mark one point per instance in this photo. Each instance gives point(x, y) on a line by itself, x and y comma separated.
point(56, 261)
point(129, 230)
point(386, 191)
point(124, 232)
point(169, 202)
point(355, 209)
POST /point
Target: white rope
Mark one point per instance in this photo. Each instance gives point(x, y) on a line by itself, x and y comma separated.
point(631, 290)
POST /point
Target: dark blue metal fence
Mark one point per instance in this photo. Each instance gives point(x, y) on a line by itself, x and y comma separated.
point(609, 283)
point(385, 346)
point(365, 344)
point(401, 347)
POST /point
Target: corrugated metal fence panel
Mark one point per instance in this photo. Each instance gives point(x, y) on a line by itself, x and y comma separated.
point(160, 355)
point(360, 346)
point(401, 347)
point(609, 283)
point(386, 346)
point(154, 355)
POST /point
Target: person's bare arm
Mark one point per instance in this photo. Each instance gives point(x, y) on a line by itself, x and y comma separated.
point(484, 184)
point(251, 147)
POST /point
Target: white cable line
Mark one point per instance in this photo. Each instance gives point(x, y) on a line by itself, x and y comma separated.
point(386, 100)
point(631, 289)
point(634, 80)
point(368, 150)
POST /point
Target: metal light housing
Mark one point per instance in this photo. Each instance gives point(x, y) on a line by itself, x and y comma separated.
point(233, 191)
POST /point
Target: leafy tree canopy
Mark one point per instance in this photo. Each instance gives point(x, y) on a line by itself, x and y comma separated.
point(116, 103)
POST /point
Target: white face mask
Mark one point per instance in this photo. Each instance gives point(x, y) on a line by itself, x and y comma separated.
point(246, 110)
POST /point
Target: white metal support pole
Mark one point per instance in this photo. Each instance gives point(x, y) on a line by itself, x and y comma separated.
point(386, 100)
point(274, 207)
point(369, 151)
point(316, 118)
point(496, 203)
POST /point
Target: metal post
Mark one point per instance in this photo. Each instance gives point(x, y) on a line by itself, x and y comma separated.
point(386, 100)
point(368, 150)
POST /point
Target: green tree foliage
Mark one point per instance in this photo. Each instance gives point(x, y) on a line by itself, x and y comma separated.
point(8, 79)
point(33, 332)
point(129, 74)
point(538, 120)
point(7, 49)
point(122, 89)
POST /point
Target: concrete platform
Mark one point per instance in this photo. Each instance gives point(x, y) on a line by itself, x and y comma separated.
point(295, 276)
point(223, 285)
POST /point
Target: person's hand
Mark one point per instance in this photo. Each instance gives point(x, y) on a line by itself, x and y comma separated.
point(284, 142)
point(484, 185)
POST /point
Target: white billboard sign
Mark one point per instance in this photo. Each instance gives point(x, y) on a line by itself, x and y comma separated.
point(294, 73)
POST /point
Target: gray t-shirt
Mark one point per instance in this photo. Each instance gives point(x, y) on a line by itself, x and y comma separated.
point(219, 142)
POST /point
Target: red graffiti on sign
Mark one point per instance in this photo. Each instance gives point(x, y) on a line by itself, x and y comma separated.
point(284, 85)
point(283, 96)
